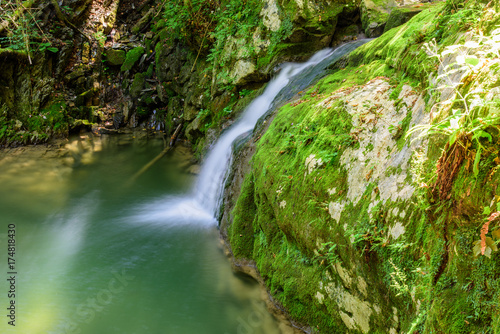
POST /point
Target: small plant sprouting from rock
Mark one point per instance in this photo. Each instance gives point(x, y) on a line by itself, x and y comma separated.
point(326, 253)
point(472, 114)
point(398, 280)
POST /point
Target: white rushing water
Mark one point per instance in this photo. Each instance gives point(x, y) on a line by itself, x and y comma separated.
point(200, 207)
point(210, 183)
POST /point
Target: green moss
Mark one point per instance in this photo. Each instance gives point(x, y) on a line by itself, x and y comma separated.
point(397, 46)
point(428, 272)
point(132, 57)
point(353, 76)
point(400, 15)
point(150, 71)
point(137, 85)
point(241, 231)
point(115, 57)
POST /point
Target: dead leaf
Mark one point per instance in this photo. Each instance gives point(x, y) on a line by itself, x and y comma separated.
point(484, 231)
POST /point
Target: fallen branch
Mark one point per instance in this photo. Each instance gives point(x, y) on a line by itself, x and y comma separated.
point(148, 165)
point(175, 135)
point(158, 157)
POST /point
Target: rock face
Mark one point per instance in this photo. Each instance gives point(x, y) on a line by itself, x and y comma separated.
point(338, 184)
point(115, 57)
point(24, 88)
point(355, 222)
point(147, 62)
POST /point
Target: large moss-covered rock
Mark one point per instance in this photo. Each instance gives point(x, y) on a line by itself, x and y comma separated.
point(137, 85)
point(115, 57)
point(340, 208)
point(132, 57)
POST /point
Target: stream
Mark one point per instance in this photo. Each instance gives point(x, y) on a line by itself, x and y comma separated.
point(95, 254)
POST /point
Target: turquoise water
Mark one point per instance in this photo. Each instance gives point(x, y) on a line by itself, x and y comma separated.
point(96, 253)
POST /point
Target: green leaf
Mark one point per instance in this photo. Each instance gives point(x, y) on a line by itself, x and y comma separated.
point(472, 60)
point(476, 250)
point(482, 134)
point(491, 244)
point(53, 49)
point(486, 210)
point(487, 252)
point(453, 138)
point(496, 233)
point(476, 162)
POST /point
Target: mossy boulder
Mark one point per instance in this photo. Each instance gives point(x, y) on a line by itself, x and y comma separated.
point(400, 15)
point(137, 85)
point(115, 57)
point(132, 57)
point(374, 15)
point(339, 209)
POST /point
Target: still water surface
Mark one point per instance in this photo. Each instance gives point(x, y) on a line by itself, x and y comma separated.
point(93, 256)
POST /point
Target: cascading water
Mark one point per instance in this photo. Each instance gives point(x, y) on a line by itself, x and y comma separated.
point(201, 206)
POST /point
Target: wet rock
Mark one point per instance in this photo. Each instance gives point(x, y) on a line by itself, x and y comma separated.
point(190, 112)
point(375, 29)
point(193, 130)
point(162, 93)
point(169, 62)
point(194, 169)
point(243, 72)
point(175, 106)
point(76, 73)
point(270, 15)
point(126, 110)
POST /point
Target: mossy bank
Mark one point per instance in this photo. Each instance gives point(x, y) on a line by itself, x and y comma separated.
point(355, 220)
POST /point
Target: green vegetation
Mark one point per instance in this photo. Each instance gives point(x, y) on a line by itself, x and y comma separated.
point(421, 255)
point(132, 57)
point(38, 128)
point(23, 29)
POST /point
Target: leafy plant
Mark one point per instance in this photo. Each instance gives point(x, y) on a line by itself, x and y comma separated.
point(399, 280)
point(327, 252)
point(100, 37)
point(471, 114)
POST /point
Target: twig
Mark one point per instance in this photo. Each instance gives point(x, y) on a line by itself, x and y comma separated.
point(148, 165)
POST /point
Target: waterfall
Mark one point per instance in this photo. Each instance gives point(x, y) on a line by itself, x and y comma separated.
point(202, 205)
point(208, 190)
